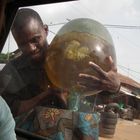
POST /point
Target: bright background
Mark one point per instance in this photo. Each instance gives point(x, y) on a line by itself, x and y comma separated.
point(120, 17)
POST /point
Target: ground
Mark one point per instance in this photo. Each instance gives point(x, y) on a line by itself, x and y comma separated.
point(126, 130)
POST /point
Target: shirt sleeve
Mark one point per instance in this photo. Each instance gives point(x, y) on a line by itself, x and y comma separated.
point(7, 123)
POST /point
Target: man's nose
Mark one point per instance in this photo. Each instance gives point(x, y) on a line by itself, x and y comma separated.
point(32, 47)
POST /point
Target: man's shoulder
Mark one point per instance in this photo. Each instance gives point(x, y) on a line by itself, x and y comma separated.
point(17, 62)
point(13, 65)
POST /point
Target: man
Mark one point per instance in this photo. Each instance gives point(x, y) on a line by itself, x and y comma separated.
point(24, 91)
point(30, 86)
point(7, 123)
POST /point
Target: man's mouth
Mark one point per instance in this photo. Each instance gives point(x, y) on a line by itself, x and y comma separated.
point(36, 53)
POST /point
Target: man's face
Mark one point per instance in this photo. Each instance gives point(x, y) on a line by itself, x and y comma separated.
point(31, 39)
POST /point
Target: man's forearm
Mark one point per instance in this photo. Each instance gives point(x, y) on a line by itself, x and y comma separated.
point(27, 105)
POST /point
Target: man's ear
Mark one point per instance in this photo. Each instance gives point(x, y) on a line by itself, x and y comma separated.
point(46, 28)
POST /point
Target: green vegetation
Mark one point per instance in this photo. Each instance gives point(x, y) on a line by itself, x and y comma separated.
point(5, 57)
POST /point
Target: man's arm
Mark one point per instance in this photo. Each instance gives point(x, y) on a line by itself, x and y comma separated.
point(27, 105)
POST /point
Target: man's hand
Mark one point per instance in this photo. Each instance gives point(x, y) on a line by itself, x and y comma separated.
point(106, 81)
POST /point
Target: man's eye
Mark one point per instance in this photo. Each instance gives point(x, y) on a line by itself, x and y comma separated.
point(35, 40)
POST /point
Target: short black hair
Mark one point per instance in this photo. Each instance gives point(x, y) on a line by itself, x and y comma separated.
point(23, 16)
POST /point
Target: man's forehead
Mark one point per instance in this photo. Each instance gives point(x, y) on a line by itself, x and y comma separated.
point(33, 24)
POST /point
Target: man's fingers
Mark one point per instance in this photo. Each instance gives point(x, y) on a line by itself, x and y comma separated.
point(88, 81)
point(98, 69)
point(112, 64)
point(88, 77)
